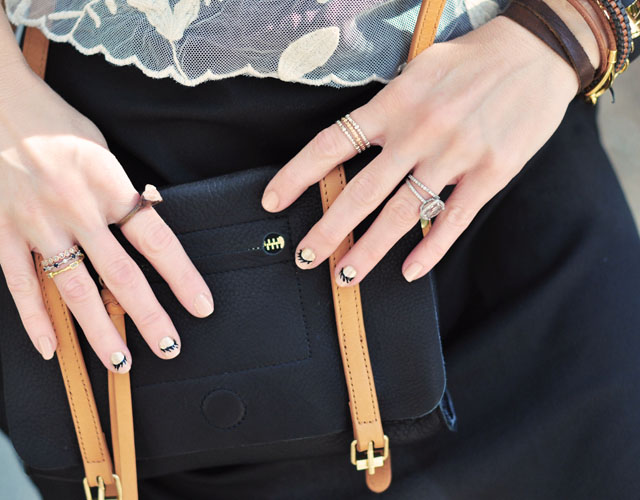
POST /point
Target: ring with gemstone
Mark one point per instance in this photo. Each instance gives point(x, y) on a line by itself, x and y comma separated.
point(149, 197)
point(64, 261)
point(354, 133)
point(431, 206)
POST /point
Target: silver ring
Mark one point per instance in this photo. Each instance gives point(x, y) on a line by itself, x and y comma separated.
point(430, 207)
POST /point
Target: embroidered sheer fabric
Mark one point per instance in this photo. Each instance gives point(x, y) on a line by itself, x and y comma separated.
point(318, 42)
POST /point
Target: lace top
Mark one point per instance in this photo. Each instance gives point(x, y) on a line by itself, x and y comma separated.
point(317, 42)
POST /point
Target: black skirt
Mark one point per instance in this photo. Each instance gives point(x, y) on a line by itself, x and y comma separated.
point(539, 299)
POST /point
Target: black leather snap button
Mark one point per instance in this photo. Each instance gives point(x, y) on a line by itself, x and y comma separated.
point(223, 408)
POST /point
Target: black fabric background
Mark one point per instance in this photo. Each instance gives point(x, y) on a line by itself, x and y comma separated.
point(539, 299)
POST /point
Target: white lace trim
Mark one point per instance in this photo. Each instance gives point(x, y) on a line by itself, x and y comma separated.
point(316, 42)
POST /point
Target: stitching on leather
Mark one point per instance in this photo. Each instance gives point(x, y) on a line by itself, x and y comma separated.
point(434, 27)
point(71, 400)
point(339, 307)
point(304, 315)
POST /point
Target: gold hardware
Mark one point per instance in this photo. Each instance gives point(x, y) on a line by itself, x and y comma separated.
point(607, 79)
point(633, 11)
point(372, 462)
point(101, 489)
point(273, 243)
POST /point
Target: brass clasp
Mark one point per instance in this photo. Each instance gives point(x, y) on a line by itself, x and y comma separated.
point(101, 489)
point(373, 461)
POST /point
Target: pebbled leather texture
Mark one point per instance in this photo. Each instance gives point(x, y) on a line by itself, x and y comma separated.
point(279, 356)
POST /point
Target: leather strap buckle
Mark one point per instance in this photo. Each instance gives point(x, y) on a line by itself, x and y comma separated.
point(102, 489)
point(372, 461)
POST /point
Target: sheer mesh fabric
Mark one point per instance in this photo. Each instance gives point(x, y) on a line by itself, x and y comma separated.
point(318, 42)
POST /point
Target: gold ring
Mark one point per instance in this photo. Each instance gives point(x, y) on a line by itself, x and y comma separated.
point(64, 261)
point(354, 133)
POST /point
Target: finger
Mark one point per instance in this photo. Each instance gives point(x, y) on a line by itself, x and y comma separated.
point(80, 293)
point(363, 194)
point(329, 148)
point(154, 239)
point(466, 200)
point(128, 284)
point(397, 217)
point(17, 266)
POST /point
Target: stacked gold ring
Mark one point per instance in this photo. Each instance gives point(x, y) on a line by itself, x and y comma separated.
point(64, 261)
point(354, 133)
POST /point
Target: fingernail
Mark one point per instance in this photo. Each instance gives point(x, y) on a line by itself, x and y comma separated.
point(306, 256)
point(118, 360)
point(45, 347)
point(270, 201)
point(169, 347)
point(203, 305)
point(412, 271)
point(346, 275)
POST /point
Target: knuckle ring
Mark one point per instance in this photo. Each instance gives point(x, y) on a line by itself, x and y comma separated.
point(64, 261)
point(354, 133)
point(431, 206)
point(149, 197)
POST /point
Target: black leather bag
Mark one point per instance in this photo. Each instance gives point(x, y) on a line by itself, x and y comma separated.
point(261, 378)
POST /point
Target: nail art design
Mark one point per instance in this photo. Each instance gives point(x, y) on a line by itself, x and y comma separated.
point(167, 344)
point(306, 255)
point(118, 360)
point(347, 274)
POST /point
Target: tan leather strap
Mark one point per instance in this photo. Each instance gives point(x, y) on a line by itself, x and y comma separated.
point(91, 439)
point(35, 49)
point(363, 401)
point(121, 411)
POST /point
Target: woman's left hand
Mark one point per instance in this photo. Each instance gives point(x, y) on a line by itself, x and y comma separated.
point(470, 111)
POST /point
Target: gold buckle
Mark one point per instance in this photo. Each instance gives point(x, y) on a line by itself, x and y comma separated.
point(373, 461)
point(101, 489)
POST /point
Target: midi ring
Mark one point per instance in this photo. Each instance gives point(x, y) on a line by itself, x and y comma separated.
point(149, 197)
point(430, 206)
point(354, 133)
point(64, 261)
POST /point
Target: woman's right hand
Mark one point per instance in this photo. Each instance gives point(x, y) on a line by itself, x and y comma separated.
point(61, 186)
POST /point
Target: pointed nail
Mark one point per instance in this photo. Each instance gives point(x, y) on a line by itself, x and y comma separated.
point(306, 256)
point(346, 275)
point(270, 201)
point(118, 360)
point(45, 347)
point(169, 347)
point(203, 305)
point(412, 271)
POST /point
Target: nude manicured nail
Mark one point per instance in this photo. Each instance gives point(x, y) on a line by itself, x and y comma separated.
point(169, 347)
point(118, 360)
point(270, 200)
point(203, 305)
point(412, 271)
point(45, 347)
point(346, 275)
point(306, 256)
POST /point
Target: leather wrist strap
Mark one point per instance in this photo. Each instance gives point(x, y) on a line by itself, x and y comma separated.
point(572, 50)
point(599, 25)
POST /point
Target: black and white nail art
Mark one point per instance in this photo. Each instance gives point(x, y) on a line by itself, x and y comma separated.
point(118, 360)
point(306, 255)
point(168, 344)
point(347, 274)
